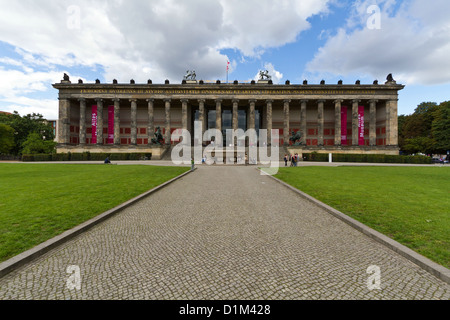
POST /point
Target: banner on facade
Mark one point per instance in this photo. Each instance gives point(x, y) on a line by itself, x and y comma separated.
point(361, 125)
point(344, 126)
point(110, 125)
point(94, 125)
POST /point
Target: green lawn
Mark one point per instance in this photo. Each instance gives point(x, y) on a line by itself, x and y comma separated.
point(40, 201)
point(409, 204)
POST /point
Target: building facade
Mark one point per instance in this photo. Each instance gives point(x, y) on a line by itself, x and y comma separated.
point(335, 118)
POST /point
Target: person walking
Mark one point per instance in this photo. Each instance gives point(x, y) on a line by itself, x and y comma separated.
point(294, 160)
point(285, 160)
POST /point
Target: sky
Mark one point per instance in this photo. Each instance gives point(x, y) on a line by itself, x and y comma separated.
point(294, 40)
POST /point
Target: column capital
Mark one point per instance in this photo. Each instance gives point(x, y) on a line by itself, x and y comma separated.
point(373, 101)
point(82, 99)
point(304, 101)
point(269, 101)
point(167, 100)
point(184, 100)
point(286, 101)
point(356, 101)
point(338, 101)
point(201, 100)
point(219, 100)
point(235, 101)
point(321, 101)
point(150, 100)
point(99, 100)
point(133, 100)
point(252, 100)
point(116, 100)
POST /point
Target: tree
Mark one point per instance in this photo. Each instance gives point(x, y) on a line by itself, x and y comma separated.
point(25, 125)
point(415, 130)
point(6, 138)
point(419, 145)
point(401, 121)
point(35, 145)
point(441, 127)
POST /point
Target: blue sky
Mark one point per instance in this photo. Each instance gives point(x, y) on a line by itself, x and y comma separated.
point(161, 39)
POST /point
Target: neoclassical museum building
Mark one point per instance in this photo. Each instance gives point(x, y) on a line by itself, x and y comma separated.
point(329, 118)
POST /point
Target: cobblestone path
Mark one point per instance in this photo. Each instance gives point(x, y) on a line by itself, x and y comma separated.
point(222, 233)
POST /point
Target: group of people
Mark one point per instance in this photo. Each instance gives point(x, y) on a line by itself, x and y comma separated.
point(239, 160)
point(294, 159)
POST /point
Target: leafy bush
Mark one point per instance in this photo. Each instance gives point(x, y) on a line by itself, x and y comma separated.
point(370, 158)
point(86, 156)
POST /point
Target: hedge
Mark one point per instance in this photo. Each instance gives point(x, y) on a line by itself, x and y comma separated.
point(85, 156)
point(370, 158)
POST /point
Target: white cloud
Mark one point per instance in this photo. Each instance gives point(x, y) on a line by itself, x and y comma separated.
point(134, 39)
point(19, 90)
point(413, 44)
point(165, 37)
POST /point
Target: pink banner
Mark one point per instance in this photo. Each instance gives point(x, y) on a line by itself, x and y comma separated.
point(94, 125)
point(110, 125)
point(361, 125)
point(344, 141)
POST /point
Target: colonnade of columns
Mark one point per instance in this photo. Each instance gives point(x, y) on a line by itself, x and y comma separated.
point(391, 117)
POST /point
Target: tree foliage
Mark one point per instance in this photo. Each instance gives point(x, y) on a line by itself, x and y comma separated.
point(441, 127)
point(427, 130)
point(6, 138)
point(23, 126)
point(36, 145)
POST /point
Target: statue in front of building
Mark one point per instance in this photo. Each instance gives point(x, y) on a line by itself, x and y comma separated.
point(158, 139)
point(295, 138)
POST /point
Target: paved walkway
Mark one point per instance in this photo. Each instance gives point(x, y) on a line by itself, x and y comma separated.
point(222, 233)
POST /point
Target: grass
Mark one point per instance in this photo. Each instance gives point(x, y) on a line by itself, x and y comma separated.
point(40, 201)
point(409, 204)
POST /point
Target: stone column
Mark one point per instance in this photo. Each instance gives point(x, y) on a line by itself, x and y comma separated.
point(151, 120)
point(116, 122)
point(303, 121)
point(392, 122)
point(251, 114)
point(201, 114)
point(355, 139)
point(133, 121)
point(269, 121)
point(286, 122)
point(373, 123)
point(235, 114)
point(219, 115)
point(184, 119)
point(167, 135)
point(64, 121)
point(320, 122)
point(184, 105)
point(337, 123)
point(99, 122)
point(82, 122)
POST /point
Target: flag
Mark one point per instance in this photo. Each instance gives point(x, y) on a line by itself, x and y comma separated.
point(228, 65)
